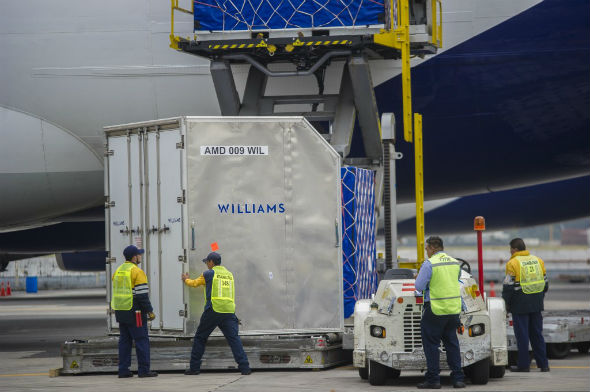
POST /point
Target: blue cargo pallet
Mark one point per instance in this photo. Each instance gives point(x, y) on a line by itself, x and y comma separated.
point(359, 265)
point(240, 15)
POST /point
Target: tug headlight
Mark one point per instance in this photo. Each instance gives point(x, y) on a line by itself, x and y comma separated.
point(477, 329)
point(377, 331)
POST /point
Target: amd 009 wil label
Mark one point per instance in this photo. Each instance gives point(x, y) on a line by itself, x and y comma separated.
point(234, 150)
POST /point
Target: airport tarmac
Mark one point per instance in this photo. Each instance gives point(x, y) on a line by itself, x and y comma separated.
point(32, 327)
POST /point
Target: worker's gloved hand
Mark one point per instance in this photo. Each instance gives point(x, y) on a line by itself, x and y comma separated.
point(151, 316)
point(184, 276)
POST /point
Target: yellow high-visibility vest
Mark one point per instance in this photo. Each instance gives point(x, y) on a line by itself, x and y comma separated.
point(122, 290)
point(222, 291)
point(531, 274)
point(445, 291)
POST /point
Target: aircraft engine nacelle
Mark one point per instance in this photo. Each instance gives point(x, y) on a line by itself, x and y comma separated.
point(47, 171)
point(82, 261)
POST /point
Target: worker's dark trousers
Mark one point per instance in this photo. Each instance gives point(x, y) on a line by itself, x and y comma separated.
point(434, 329)
point(129, 333)
point(228, 324)
point(529, 326)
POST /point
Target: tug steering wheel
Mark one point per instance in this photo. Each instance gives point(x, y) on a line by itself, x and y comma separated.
point(464, 265)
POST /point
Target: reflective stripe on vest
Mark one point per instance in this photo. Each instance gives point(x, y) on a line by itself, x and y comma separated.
point(122, 289)
point(223, 291)
point(531, 274)
point(445, 291)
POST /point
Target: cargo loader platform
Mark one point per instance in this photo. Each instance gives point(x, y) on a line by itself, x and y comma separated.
point(296, 48)
point(562, 331)
point(280, 33)
point(100, 355)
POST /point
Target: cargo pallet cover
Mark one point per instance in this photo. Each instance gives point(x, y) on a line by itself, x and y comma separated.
point(222, 15)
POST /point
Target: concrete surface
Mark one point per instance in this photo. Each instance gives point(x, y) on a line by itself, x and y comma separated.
point(33, 326)
point(21, 371)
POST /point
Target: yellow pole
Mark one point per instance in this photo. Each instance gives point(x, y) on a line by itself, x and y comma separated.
point(436, 15)
point(406, 79)
point(173, 43)
point(419, 178)
point(439, 25)
point(433, 15)
point(173, 5)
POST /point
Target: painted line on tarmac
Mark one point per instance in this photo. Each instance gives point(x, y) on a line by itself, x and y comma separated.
point(570, 367)
point(24, 374)
point(349, 367)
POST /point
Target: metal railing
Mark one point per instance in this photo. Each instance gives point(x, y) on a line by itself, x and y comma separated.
point(175, 7)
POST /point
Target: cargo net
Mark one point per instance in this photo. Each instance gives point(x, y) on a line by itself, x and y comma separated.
point(231, 15)
point(358, 236)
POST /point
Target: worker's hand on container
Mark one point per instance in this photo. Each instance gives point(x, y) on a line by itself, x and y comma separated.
point(184, 276)
point(151, 316)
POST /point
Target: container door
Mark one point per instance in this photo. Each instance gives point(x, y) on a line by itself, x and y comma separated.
point(152, 223)
point(171, 234)
point(136, 192)
point(124, 191)
point(165, 226)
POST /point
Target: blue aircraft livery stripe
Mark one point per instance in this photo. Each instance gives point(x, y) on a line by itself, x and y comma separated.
point(521, 207)
point(520, 91)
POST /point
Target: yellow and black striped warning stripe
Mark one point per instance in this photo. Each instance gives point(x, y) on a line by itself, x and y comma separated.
point(279, 42)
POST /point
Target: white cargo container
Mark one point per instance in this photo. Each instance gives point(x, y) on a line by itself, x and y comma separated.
point(266, 190)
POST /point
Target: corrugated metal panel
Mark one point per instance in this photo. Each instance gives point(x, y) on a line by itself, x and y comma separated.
point(267, 191)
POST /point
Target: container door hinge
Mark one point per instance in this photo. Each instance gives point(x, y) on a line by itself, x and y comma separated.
point(109, 204)
point(111, 260)
point(180, 145)
point(183, 312)
point(109, 153)
point(182, 199)
point(182, 258)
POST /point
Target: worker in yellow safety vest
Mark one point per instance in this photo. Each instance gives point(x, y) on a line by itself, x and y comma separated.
point(438, 281)
point(131, 303)
point(524, 291)
point(219, 291)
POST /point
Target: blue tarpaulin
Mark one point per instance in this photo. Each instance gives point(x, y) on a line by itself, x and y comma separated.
point(230, 15)
point(358, 236)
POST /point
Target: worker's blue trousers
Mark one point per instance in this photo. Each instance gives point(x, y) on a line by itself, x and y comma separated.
point(434, 329)
point(129, 333)
point(529, 326)
point(228, 324)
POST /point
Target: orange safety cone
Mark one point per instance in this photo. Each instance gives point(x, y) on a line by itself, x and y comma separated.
point(8, 291)
point(2, 293)
point(492, 292)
